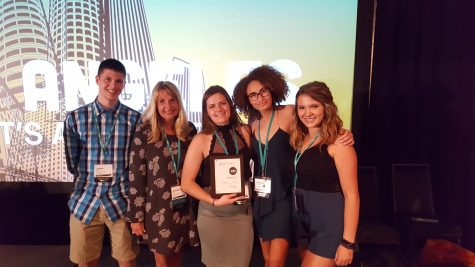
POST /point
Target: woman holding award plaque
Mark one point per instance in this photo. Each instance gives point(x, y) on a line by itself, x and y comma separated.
point(325, 182)
point(158, 209)
point(221, 152)
point(258, 96)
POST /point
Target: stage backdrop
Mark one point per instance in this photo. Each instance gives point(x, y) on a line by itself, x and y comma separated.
point(50, 51)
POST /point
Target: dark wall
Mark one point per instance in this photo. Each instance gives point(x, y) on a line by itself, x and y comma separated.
point(420, 107)
point(34, 213)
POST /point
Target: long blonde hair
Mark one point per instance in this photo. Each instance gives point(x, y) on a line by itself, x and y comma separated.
point(331, 124)
point(152, 116)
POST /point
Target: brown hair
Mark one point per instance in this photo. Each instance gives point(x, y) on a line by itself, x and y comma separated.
point(270, 79)
point(208, 126)
point(331, 124)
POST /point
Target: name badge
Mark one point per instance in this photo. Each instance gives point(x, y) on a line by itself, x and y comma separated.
point(178, 197)
point(103, 172)
point(262, 186)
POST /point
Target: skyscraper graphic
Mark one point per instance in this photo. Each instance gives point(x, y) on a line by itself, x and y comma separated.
point(77, 33)
point(24, 37)
point(128, 38)
point(189, 86)
point(77, 30)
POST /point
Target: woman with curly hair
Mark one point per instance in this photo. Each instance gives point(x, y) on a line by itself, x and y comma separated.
point(325, 182)
point(258, 96)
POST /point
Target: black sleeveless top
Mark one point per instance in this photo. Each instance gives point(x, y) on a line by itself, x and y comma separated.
point(226, 134)
point(279, 168)
point(317, 171)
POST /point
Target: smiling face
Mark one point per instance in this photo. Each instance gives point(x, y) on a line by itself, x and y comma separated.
point(218, 109)
point(111, 83)
point(259, 96)
point(167, 106)
point(310, 111)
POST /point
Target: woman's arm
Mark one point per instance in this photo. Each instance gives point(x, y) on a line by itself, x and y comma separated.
point(194, 158)
point(286, 117)
point(137, 181)
point(246, 133)
point(346, 164)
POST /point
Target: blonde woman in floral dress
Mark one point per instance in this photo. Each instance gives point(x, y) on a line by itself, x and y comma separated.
point(158, 150)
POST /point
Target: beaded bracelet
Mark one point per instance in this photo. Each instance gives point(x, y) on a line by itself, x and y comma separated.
point(347, 244)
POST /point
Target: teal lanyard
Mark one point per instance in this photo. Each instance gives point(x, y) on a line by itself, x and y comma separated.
point(176, 164)
point(263, 154)
point(224, 146)
point(104, 143)
point(299, 154)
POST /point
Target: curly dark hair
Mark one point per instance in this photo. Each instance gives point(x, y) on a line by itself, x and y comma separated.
point(270, 78)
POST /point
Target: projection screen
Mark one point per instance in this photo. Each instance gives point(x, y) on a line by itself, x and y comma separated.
point(50, 51)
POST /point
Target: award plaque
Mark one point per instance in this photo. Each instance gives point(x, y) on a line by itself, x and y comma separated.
point(227, 175)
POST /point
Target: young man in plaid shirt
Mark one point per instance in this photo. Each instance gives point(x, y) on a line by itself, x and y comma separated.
point(97, 140)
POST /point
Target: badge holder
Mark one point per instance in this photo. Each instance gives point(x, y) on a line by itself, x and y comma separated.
point(262, 186)
point(103, 172)
point(178, 197)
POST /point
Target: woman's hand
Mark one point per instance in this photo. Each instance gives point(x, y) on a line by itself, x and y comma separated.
point(346, 138)
point(227, 199)
point(343, 256)
point(138, 228)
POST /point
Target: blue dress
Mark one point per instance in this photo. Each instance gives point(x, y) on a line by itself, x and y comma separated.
point(273, 215)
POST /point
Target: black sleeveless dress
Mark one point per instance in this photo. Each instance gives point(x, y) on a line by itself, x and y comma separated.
point(277, 208)
point(226, 233)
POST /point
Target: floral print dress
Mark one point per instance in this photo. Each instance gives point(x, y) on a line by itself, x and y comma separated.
point(151, 176)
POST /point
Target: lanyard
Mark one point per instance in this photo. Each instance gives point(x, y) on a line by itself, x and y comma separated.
point(176, 164)
point(263, 154)
point(299, 154)
point(224, 146)
point(104, 143)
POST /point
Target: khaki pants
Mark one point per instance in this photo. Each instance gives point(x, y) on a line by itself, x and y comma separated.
point(86, 240)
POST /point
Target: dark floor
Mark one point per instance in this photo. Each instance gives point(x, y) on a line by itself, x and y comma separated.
point(58, 256)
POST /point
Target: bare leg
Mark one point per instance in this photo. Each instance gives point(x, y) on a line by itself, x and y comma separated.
point(312, 259)
point(127, 263)
point(275, 252)
point(172, 260)
point(93, 263)
point(302, 251)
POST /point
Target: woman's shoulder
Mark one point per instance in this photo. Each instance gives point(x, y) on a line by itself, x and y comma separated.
point(339, 148)
point(286, 116)
point(143, 126)
point(285, 108)
point(245, 129)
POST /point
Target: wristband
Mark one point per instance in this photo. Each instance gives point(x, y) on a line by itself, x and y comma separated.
point(347, 244)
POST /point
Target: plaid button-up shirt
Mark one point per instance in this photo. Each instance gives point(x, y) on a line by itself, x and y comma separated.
point(82, 129)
